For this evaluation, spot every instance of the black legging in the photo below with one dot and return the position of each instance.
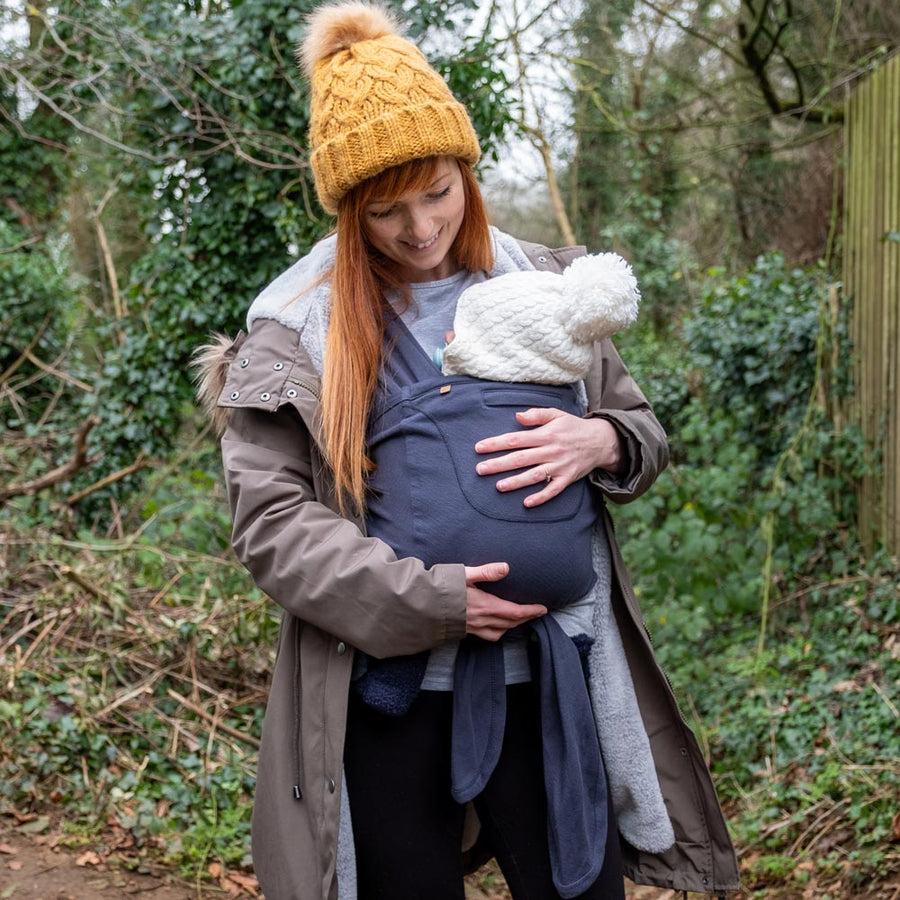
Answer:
(408, 829)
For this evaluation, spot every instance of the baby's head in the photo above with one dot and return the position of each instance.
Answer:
(541, 326)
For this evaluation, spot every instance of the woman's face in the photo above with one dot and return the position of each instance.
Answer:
(417, 229)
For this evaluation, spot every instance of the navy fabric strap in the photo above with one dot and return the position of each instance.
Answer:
(479, 716)
(574, 779)
(573, 768)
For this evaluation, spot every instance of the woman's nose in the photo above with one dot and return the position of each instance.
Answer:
(419, 225)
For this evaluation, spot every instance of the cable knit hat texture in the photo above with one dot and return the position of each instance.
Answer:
(375, 101)
(541, 326)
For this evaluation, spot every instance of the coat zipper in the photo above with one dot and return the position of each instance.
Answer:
(298, 711)
(310, 386)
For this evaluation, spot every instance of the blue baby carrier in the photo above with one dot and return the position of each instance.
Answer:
(428, 502)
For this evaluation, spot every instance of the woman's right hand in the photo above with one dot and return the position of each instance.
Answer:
(488, 616)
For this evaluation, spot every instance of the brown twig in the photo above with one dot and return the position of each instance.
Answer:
(109, 479)
(94, 590)
(61, 473)
(200, 711)
(6, 374)
(62, 376)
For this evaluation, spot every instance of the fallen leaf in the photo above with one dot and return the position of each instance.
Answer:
(15, 864)
(242, 883)
(5, 848)
(88, 858)
(214, 869)
(36, 826)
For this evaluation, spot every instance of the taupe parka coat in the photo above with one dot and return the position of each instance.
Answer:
(340, 590)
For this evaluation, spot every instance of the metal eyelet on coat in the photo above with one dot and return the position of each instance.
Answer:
(244, 363)
(542, 259)
(291, 392)
(235, 395)
(265, 396)
(278, 366)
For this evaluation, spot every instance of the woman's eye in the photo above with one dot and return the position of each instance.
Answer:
(381, 213)
(440, 194)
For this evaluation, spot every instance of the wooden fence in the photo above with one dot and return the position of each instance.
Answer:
(872, 283)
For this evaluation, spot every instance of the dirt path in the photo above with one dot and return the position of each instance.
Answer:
(39, 867)
(35, 864)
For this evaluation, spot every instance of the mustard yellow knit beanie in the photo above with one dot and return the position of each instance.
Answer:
(376, 102)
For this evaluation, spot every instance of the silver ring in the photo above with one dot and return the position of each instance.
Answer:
(548, 476)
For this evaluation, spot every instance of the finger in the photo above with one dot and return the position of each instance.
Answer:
(511, 440)
(520, 459)
(499, 616)
(488, 572)
(526, 611)
(536, 475)
(539, 415)
(543, 496)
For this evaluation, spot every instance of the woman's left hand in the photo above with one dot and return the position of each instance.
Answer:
(555, 450)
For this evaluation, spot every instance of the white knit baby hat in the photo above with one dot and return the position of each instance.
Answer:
(540, 326)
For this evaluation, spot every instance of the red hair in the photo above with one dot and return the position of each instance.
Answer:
(361, 275)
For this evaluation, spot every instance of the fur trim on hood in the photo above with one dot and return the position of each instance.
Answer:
(211, 362)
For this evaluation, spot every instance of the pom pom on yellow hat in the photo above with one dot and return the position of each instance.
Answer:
(375, 101)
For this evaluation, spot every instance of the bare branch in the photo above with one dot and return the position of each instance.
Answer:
(62, 473)
(693, 32)
(138, 464)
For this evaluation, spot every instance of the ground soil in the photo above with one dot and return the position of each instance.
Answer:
(41, 867)
(38, 864)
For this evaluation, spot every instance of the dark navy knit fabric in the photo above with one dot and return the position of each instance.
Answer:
(428, 502)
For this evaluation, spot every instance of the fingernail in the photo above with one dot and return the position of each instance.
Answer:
(479, 468)
(478, 447)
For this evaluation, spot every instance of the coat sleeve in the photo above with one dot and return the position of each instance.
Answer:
(317, 565)
(614, 395)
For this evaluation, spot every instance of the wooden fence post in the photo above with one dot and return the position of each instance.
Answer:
(872, 284)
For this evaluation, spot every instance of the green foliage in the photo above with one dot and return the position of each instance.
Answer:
(801, 734)
(36, 323)
(759, 484)
(754, 337)
(146, 714)
(757, 503)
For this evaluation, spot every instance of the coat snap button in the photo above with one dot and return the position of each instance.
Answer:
(265, 396)
(291, 393)
(245, 363)
(341, 648)
(278, 366)
(235, 395)
(331, 786)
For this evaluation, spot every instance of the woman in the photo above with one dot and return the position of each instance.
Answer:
(392, 152)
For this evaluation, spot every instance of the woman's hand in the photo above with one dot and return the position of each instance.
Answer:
(487, 616)
(556, 450)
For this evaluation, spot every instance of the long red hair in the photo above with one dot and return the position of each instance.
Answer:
(361, 275)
